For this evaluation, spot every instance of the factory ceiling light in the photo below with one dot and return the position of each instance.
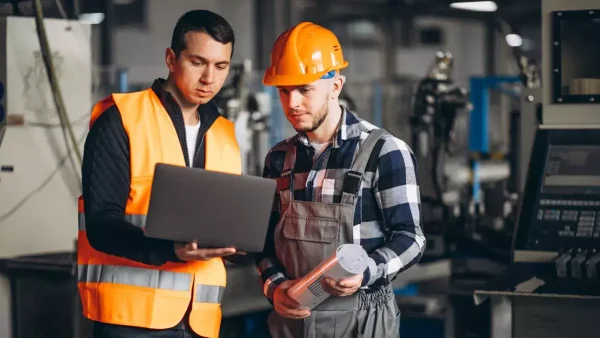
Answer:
(91, 18)
(514, 40)
(92, 11)
(477, 6)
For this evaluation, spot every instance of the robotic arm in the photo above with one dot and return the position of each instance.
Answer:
(437, 103)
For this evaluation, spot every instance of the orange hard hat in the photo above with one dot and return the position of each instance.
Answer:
(303, 54)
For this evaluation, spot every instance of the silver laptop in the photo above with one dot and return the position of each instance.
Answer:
(214, 209)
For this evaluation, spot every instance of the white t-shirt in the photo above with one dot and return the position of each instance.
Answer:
(319, 148)
(191, 137)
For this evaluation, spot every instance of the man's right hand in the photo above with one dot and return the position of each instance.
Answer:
(286, 306)
(190, 252)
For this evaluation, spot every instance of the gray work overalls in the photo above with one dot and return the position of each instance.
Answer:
(308, 233)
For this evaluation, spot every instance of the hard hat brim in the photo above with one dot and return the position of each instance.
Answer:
(290, 80)
(295, 80)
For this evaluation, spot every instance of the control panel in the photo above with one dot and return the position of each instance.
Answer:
(560, 211)
(569, 199)
(561, 203)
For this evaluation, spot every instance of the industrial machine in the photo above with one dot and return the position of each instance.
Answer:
(470, 188)
(557, 239)
(458, 172)
(551, 288)
(454, 260)
(469, 210)
(437, 103)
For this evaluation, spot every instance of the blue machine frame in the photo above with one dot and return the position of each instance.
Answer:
(479, 119)
(479, 142)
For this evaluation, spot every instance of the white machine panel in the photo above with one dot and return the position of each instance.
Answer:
(575, 72)
(44, 181)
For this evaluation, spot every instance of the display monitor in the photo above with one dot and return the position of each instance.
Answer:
(575, 49)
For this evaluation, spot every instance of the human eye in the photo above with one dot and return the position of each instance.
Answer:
(304, 90)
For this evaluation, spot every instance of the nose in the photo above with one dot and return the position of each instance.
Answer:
(208, 75)
(294, 99)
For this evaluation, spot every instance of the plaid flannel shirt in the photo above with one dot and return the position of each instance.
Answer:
(387, 216)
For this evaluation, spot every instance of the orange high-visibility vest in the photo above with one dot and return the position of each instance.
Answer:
(120, 291)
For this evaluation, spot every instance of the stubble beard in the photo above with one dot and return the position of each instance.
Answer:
(319, 119)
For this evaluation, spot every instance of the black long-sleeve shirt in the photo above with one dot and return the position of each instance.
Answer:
(106, 182)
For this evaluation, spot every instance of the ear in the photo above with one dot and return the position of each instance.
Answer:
(170, 59)
(338, 84)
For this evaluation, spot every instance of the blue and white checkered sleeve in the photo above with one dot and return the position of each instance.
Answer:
(398, 199)
(270, 270)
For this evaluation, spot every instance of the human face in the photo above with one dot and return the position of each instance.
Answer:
(306, 107)
(201, 68)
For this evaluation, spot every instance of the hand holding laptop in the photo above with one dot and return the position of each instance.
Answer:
(212, 214)
(190, 252)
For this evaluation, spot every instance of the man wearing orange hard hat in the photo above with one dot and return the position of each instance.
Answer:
(340, 180)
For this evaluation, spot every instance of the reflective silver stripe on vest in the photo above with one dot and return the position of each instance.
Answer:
(137, 220)
(209, 293)
(126, 275)
(81, 220)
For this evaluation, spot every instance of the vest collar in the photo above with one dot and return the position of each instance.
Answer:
(208, 115)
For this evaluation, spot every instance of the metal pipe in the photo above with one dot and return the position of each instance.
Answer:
(276, 117)
(260, 31)
(123, 81)
(378, 104)
(490, 47)
(76, 8)
(71, 8)
(106, 34)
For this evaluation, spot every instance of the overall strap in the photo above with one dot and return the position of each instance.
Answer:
(353, 179)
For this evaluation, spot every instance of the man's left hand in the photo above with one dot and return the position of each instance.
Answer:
(343, 287)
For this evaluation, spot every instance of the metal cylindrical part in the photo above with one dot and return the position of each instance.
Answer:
(489, 171)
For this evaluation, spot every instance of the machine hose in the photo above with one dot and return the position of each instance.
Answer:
(53, 80)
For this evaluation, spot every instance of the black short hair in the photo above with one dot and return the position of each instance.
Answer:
(201, 20)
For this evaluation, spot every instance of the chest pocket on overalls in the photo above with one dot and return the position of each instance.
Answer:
(309, 240)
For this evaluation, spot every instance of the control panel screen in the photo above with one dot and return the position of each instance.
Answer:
(563, 201)
(572, 170)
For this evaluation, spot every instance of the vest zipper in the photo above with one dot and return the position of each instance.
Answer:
(183, 140)
(204, 126)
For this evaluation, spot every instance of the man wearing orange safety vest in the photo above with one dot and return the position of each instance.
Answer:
(130, 285)
(340, 180)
